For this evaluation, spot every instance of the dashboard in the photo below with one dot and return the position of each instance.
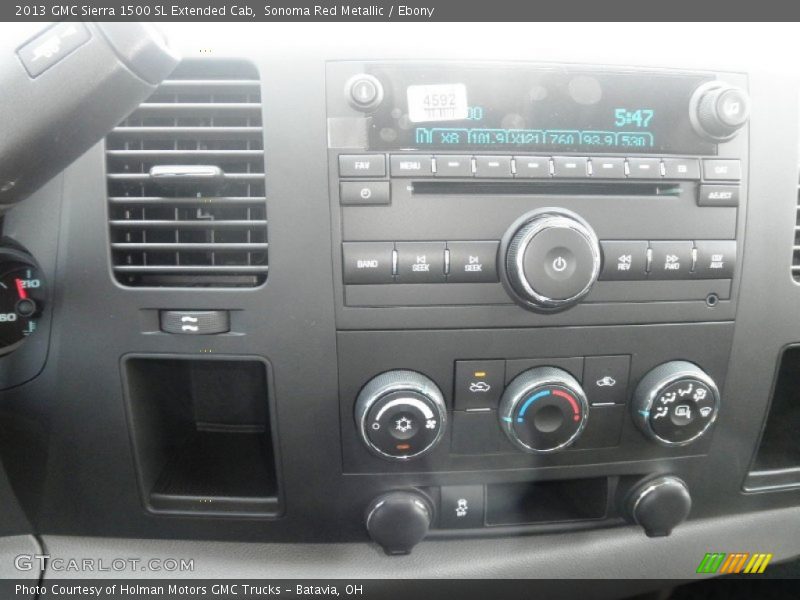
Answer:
(450, 302)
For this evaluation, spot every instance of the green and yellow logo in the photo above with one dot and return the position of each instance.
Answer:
(735, 562)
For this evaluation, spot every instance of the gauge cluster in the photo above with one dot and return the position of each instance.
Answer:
(22, 297)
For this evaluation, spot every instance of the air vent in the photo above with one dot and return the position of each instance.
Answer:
(796, 247)
(186, 189)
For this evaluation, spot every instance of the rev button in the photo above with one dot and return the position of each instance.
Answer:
(624, 260)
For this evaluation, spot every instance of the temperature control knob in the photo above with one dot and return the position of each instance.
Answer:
(552, 259)
(400, 415)
(675, 403)
(719, 110)
(543, 410)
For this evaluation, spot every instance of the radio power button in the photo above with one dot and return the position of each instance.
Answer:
(551, 259)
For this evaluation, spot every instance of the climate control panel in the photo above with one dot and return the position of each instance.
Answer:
(535, 407)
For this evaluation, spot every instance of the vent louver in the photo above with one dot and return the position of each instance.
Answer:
(796, 247)
(186, 188)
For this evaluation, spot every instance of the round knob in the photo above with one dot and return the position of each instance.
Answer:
(675, 403)
(400, 415)
(719, 110)
(658, 505)
(552, 259)
(543, 410)
(364, 92)
(398, 521)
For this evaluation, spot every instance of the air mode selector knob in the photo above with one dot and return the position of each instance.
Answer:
(551, 259)
(719, 110)
(676, 403)
(543, 410)
(400, 415)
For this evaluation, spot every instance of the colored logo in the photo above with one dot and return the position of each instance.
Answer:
(735, 562)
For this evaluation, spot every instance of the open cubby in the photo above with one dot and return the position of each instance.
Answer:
(546, 501)
(202, 435)
(777, 463)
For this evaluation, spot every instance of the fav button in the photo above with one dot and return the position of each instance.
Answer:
(605, 379)
(624, 260)
(472, 262)
(671, 260)
(479, 383)
(362, 165)
(420, 262)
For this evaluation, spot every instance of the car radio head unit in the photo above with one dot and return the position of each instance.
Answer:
(483, 108)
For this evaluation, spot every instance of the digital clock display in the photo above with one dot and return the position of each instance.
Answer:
(528, 109)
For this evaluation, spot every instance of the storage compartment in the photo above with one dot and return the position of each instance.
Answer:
(777, 463)
(202, 435)
(546, 501)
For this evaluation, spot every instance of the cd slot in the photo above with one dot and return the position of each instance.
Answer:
(549, 188)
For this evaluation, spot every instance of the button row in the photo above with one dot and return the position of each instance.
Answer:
(420, 262)
(479, 384)
(637, 260)
(532, 167)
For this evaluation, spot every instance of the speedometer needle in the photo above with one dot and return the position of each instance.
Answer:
(23, 294)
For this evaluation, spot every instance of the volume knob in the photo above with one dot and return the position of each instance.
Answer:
(552, 259)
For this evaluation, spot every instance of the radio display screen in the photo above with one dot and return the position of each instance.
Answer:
(538, 109)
